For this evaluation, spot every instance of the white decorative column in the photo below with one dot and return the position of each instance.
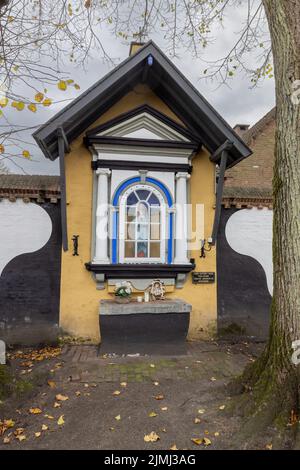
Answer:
(181, 223)
(101, 238)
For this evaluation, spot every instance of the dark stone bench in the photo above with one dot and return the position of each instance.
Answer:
(158, 327)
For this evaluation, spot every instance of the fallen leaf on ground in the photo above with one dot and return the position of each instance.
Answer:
(269, 446)
(118, 417)
(51, 384)
(201, 411)
(164, 408)
(6, 424)
(199, 441)
(156, 383)
(206, 431)
(49, 416)
(61, 397)
(152, 365)
(44, 427)
(117, 392)
(57, 405)
(213, 379)
(152, 437)
(152, 414)
(77, 393)
(21, 437)
(197, 420)
(196, 441)
(86, 385)
(206, 441)
(216, 434)
(123, 384)
(61, 420)
(173, 447)
(35, 411)
(6, 440)
(222, 407)
(38, 434)
(159, 397)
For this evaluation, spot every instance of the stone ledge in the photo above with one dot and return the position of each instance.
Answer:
(111, 307)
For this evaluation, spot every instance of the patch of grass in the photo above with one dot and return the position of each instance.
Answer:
(6, 381)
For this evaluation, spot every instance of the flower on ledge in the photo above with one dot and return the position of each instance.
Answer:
(123, 289)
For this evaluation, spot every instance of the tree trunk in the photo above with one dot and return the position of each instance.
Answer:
(273, 381)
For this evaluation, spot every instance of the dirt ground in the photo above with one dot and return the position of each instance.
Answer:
(75, 398)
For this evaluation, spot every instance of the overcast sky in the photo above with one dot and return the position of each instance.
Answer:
(237, 102)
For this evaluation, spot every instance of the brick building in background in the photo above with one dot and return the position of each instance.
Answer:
(245, 271)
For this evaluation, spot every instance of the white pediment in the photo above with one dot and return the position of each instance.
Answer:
(144, 126)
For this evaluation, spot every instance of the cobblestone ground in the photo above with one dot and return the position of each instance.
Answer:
(113, 402)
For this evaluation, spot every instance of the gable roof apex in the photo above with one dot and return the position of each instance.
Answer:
(163, 77)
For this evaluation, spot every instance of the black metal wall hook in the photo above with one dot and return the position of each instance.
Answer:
(75, 245)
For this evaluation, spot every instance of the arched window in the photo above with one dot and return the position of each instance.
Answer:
(142, 228)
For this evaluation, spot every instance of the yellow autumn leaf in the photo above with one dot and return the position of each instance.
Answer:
(10, 19)
(61, 420)
(62, 85)
(78, 393)
(47, 102)
(26, 154)
(49, 416)
(6, 440)
(222, 407)
(117, 418)
(57, 405)
(35, 411)
(173, 447)
(9, 423)
(152, 414)
(76, 86)
(152, 437)
(39, 97)
(44, 427)
(216, 434)
(3, 101)
(197, 420)
(70, 81)
(152, 365)
(201, 411)
(21, 437)
(269, 446)
(19, 105)
(164, 408)
(197, 440)
(123, 384)
(51, 384)
(60, 397)
(156, 383)
(206, 441)
(32, 107)
(117, 392)
(38, 434)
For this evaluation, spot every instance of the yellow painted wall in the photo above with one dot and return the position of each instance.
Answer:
(79, 300)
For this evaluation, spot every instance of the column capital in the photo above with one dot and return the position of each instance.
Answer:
(103, 171)
(183, 174)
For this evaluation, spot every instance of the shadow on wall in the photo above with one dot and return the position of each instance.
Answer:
(30, 252)
(244, 261)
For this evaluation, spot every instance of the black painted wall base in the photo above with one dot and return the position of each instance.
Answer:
(155, 334)
(243, 298)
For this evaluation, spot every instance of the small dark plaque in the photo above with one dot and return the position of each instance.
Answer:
(203, 278)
